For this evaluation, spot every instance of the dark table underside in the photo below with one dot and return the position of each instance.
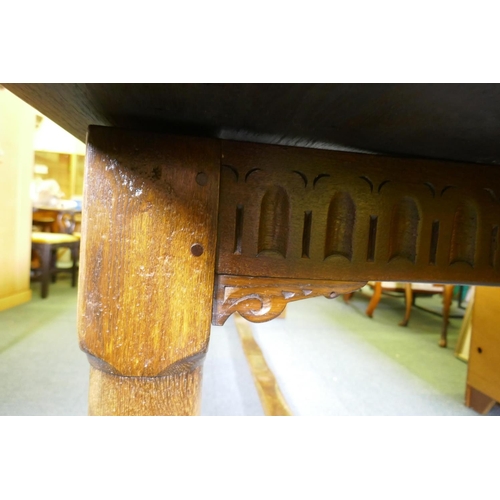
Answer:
(459, 122)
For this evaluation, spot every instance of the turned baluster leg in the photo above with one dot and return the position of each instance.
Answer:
(147, 270)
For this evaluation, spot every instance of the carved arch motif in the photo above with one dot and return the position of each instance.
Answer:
(340, 226)
(274, 222)
(403, 235)
(464, 233)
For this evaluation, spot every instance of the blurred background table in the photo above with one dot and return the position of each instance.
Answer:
(65, 217)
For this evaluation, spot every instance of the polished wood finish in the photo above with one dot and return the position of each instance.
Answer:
(483, 373)
(148, 259)
(308, 214)
(286, 213)
(150, 237)
(262, 299)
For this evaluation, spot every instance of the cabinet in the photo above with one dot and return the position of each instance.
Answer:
(483, 375)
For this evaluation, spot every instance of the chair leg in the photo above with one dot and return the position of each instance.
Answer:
(53, 265)
(347, 297)
(74, 267)
(377, 294)
(409, 301)
(447, 298)
(46, 269)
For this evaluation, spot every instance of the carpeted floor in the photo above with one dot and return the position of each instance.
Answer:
(327, 356)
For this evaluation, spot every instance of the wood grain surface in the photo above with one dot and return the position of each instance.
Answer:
(174, 395)
(292, 223)
(262, 299)
(148, 255)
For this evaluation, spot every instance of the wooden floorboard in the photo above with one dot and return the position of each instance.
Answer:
(271, 397)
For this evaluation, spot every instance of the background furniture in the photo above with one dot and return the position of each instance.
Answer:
(462, 347)
(411, 291)
(44, 221)
(46, 246)
(483, 373)
(414, 290)
(380, 287)
(56, 220)
(57, 234)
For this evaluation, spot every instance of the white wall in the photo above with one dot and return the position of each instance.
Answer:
(17, 128)
(51, 137)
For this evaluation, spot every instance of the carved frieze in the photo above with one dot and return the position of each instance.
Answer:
(303, 213)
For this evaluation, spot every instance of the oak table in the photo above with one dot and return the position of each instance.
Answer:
(198, 204)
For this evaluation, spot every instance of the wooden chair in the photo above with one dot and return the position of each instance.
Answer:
(411, 291)
(380, 287)
(45, 245)
(57, 220)
(43, 222)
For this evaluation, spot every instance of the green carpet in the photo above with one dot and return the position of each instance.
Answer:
(43, 372)
(328, 358)
(331, 359)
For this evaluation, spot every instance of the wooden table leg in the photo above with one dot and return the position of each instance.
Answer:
(147, 270)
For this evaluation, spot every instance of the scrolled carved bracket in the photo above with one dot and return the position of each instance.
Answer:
(262, 299)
